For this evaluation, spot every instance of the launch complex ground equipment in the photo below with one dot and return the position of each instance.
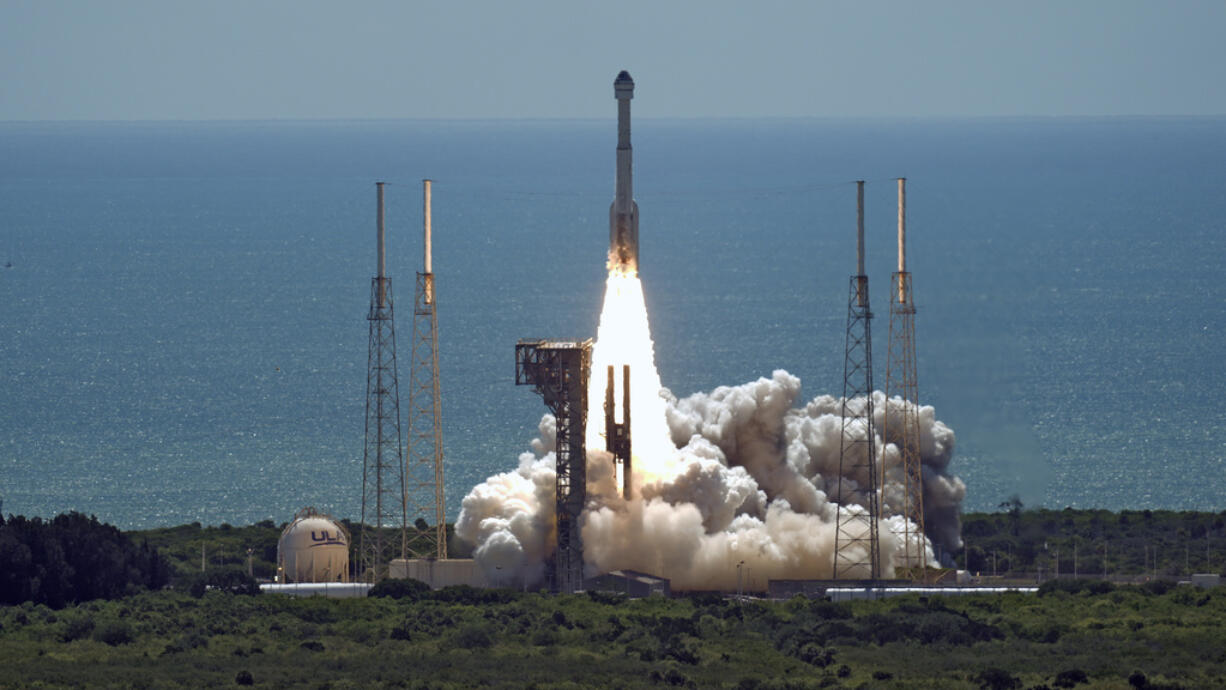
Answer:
(559, 371)
(857, 552)
(383, 516)
(427, 525)
(617, 436)
(902, 429)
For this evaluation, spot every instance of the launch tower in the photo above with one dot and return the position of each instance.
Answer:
(383, 514)
(559, 371)
(427, 533)
(902, 428)
(857, 553)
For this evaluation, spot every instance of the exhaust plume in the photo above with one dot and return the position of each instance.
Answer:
(738, 477)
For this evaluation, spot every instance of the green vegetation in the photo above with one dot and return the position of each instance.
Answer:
(212, 630)
(1129, 545)
(193, 548)
(72, 558)
(1093, 636)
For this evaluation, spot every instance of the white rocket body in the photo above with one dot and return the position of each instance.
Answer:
(624, 213)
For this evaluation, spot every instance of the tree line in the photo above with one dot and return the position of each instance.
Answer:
(73, 558)
(1124, 545)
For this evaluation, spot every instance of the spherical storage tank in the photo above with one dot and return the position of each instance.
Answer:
(313, 548)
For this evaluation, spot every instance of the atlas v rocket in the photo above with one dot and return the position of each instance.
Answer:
(624, 213)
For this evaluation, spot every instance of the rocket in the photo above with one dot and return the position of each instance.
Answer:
(624, 213)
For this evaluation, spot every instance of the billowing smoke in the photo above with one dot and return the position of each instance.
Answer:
(753, 481)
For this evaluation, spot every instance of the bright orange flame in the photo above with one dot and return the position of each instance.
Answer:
(624, 337)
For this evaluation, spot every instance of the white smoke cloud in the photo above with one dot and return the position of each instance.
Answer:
(753, 482)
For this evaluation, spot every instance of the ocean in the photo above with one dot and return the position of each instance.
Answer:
(183, 331)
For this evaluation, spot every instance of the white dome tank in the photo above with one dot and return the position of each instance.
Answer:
(313, 548)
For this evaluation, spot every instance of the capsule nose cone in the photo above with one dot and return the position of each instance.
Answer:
(623, 86)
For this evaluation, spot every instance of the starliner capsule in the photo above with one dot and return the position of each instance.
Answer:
(624, 213)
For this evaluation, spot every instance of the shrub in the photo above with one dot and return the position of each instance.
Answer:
(76, 628)
(815, 655)
(114, 633)
(315, 610)
(672, 677)
(828, 610)
(996, 679)
(1158, 587)
(474, 637)
(683, 651)
(1070, 678)
(544, 638)
(413, 590)
(244, 678)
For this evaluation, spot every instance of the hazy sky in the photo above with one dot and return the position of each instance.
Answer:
(210, 59)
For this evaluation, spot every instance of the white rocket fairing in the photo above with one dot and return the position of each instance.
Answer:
(624, 213)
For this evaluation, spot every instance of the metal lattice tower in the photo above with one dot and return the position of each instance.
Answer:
(383, 517)
(857, 552)
(901, 426)
(427, 528)
(559, 371)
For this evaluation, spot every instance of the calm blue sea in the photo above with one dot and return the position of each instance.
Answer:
(183, 333)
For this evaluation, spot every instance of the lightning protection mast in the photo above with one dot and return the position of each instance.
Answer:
(856, 547)
(383, 516)
(424, 468)
(901, 419)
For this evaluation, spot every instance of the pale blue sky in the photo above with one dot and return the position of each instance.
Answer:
(228, 59)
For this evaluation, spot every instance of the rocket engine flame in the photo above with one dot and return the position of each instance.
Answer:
(624, 337)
